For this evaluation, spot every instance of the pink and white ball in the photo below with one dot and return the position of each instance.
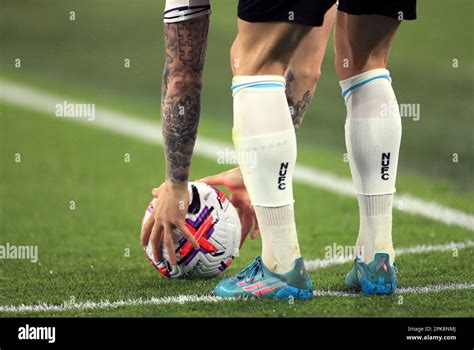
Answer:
(215, 224)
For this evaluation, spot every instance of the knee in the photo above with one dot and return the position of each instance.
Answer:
(361, 57)
(355, 64)
(259, 56)
(306, 76)
(368, 62)
(252, 60)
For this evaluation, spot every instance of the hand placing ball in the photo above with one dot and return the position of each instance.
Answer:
(214, 223)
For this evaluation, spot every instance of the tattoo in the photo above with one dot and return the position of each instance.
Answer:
(186, 44)
(297, 107)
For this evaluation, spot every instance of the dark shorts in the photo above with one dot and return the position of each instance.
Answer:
(311, 12)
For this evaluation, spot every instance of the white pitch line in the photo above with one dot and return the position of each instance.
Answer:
(106, 304)
(423, 248)
(431, 288)
(132, 126)
(184, 299)
(311, 265)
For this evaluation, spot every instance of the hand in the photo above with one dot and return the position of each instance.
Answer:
(234, 182)
(168, 214)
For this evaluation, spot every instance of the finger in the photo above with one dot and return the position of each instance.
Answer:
(168, 241)
(188, 235)
(213, 180)
(241, 219)
(255, 233)
(146, 230)
(156, 191)
(236, 202)
(246, 225)
(256, 229)
(156, 240)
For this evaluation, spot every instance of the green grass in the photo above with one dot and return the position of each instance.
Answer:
(81, 252)
(88, 54)
(84, 59)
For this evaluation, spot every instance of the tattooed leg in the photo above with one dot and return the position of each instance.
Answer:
(186, 44)
(304, 71)
(299, 94)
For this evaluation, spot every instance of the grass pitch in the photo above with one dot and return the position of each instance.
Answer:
(92, 253)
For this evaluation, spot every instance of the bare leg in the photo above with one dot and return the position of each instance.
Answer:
(301, 77)
(265, 48)
(373, 136)
(304, 71)
(304, 68)
(263, 126)
(362, 42)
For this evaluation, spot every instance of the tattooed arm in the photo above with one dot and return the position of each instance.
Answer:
(181, 93)
(186, 43)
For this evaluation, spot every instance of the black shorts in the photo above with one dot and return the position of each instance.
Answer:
(311, 12)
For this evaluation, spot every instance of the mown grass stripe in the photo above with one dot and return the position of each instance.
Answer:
(129, 125)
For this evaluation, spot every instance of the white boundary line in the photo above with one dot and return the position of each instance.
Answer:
(184, 299)
(431, 288)
(322, 263)
(150, 131)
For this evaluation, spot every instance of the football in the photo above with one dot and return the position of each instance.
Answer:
(215, 224)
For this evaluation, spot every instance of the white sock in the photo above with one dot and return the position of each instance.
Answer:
(373, 134)
(280, 245)
(375, 229)
(263, 127)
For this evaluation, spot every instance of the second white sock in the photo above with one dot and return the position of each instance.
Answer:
(375, 228)
(373, 134)
(263, 130)
(280, 246)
